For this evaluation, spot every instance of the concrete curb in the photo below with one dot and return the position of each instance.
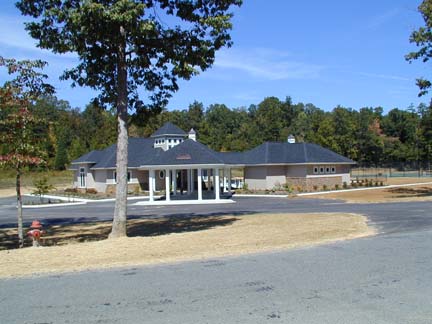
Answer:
(184, 202)
(53, 205)
(73, 201)
(264, 196)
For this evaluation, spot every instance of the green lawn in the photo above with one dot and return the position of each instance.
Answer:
(56, 178)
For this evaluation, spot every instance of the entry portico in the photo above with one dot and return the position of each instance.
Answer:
(183, 166)
(186, 181)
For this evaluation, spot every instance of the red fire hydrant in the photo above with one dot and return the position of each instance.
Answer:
(36, 232)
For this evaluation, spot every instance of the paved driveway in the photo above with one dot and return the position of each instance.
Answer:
(388, 218)
(385, 279)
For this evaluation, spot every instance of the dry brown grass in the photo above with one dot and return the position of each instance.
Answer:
(400, 194)
(407, 180)
(172, 240)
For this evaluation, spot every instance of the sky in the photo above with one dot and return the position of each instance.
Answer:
(329, 53)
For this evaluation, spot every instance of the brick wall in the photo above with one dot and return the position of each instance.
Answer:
(308, 184)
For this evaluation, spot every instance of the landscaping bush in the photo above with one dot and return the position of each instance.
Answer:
(337, 187)
(91, 191)
(315, 188)
(325, 188)
(345, 185)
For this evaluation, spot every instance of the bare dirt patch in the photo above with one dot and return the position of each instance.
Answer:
(172, 240)
(407, 180)
(400, 194)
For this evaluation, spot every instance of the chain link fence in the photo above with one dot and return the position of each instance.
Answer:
(394, 169)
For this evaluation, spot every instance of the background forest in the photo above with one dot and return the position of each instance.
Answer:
(368, 135)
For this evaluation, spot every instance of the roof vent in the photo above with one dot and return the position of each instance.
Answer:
(192, 135)
(291, 139)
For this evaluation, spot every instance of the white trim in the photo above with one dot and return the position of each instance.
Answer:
(180, 166)
(324, 175)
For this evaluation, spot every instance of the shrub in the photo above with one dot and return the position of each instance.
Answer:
(315, 188)
(42, 187)
(288, 188)
(91, 191)
(345, 185)
(337, 187)
(381, 183)
(325, 188)
(71, 190)
(354, 185)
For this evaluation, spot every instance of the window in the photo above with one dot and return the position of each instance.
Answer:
(333, 169)
(82, 177)
(169, 140)
(321, 170)
(315, 170)
(161, 174)
(163, 141)
(128, 176)
(175, 140)
(327, 170)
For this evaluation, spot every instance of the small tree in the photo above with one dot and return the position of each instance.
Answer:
(19, 145)
(42, 187)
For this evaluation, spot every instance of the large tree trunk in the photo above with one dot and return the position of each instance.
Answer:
(120, 212)
(19, 205)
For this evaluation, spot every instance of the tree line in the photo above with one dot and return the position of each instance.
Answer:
(367, 135)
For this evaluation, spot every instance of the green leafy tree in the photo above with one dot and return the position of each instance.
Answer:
(61, 158)
(17, 126)
(422, 37)
(126, 45)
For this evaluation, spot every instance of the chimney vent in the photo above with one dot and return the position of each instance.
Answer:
(192, 135)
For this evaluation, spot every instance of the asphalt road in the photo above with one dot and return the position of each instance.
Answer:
(382, 279)
(388, 218)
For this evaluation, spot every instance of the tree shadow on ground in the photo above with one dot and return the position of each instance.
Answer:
(411, 192)
(64, 231)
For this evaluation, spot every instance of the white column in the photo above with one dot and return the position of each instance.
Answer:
(224, 180)
(217, 184)
(188, 180)
(151, 182)
(167, 185)
(214, 180)
(229, 180)
(199, 179)
(191, 180)
(174, 182)
(208, 180)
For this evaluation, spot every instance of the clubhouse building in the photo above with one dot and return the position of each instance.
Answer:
(173, 161)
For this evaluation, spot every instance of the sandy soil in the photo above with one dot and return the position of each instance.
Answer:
(400, 194)
(167, 240)
(11, 192)
(406, 180)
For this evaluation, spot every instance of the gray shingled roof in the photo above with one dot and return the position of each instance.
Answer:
(139, 151)
(291, 153)
(169, 129)
(142, 153)
(185, 153)
(90, 157)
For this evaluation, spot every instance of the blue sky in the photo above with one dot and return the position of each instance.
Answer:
(328, 53)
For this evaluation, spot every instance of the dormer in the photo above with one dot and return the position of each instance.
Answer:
(168, 136)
